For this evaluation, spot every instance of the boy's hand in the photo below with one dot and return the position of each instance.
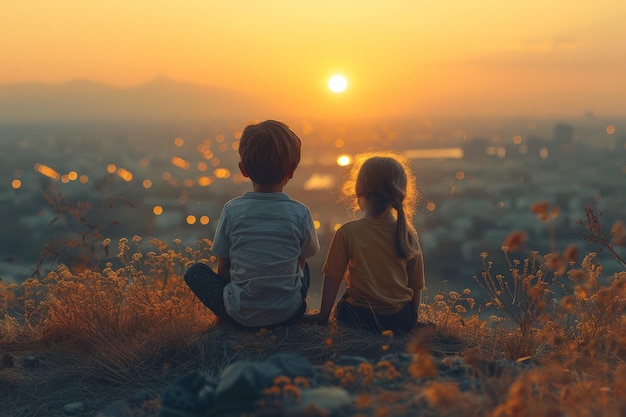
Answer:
(316, 318)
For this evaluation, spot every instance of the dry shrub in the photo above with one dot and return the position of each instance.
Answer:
(143, 300)
(556, 391)
(592, 320)
(449, 313)
(523, 297)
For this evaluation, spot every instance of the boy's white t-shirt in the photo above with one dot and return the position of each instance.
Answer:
(264, 235)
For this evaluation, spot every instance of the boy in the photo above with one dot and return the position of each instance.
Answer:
(262, 239)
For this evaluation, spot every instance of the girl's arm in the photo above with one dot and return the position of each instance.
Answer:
(330, 287)
(223, 268)
(415, 268)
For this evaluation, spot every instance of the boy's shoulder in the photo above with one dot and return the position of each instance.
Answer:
(253, 199)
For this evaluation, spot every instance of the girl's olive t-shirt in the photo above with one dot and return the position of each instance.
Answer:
(363, 251)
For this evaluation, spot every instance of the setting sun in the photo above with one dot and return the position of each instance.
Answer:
(337, 83)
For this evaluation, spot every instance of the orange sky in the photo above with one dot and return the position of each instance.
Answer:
(401, 57)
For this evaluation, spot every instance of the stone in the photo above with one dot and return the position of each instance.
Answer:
(191, 396)
(241, 383)
(291, 364)
(329, 401)
(74, 409)
(399, 360)
(347, 360)
(30, 361)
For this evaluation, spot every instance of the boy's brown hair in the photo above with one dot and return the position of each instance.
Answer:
(269, 152)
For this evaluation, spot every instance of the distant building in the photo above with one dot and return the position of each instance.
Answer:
(563, 137)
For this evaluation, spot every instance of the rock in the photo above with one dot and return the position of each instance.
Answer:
(242, 382)
(140, 397)
(30, 361)
(191, 396)
(399, 360)
(291, 364)
(117, 409)
(329, 401)
(453, 366)
(348, 360)
(135, 405)
(73, 409)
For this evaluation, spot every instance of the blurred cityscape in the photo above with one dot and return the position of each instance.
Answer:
(481, 183)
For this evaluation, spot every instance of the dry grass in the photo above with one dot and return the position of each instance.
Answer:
(105, 334)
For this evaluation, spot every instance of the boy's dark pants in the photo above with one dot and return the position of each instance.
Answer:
(364, 318)
(208, 286)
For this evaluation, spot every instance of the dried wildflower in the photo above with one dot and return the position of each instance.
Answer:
(282, 380)
(106, 242)
(301, 381)
(467, 291)
(136, 239)
(367, 371)
(514, 241)
(177, 241)
(442, 394)
(382, 411)
(363, 401)
(422, 364)
(272, 391)
(388, 333)
(483, 255)
(540, 207)
(293, 392)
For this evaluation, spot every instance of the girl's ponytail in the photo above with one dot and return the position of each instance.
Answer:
(406, 236)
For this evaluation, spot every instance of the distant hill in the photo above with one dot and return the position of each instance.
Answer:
(161, 99)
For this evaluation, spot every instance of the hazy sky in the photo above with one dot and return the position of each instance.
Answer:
(452, 57)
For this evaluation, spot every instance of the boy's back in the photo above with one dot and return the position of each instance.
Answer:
(264, 235)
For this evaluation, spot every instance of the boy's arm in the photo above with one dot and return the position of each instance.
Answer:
(223, 268)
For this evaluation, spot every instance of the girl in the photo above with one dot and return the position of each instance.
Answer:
(378, 255)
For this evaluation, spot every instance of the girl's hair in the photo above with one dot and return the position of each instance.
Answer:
(384, 178)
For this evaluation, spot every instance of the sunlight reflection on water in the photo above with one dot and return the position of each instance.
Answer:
(434, 153)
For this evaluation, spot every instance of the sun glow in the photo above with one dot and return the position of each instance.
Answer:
(337, 83)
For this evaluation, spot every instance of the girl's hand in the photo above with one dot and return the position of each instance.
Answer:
(316, 318)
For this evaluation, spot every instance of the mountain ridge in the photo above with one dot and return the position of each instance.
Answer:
(158, 99)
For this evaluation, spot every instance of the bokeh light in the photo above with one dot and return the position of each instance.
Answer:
(47, 171)
(221, 173)
(125, 174)
(179, 162)
(344, 160)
